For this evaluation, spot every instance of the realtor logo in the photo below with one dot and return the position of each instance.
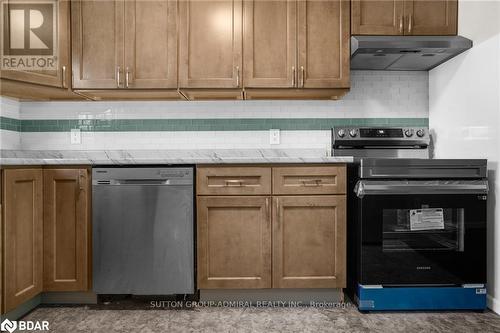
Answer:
(28, 35)
(8, 326)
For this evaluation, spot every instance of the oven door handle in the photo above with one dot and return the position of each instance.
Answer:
(369, 187)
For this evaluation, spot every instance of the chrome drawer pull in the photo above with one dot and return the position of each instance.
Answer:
(312, 183)
(234, 182)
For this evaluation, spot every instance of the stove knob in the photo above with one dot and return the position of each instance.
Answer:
(420, 133)
(341, 133)
(409, 133)
(353, 133)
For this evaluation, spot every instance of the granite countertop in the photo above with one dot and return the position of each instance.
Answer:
(130, 157)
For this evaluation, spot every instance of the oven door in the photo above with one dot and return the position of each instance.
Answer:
(422, 232)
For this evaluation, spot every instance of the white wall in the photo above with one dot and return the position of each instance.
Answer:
(464, 112)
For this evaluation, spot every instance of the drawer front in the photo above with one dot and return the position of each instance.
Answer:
(233, 180)
(309, 180)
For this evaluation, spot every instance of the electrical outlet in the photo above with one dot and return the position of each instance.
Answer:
(76, 136)
(274, 136)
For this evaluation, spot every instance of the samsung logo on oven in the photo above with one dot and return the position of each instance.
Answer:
(423, 268)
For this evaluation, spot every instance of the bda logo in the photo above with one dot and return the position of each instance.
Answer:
(29, 34)
(8, 325)
(11, 326)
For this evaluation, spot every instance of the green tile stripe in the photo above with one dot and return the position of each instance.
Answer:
(244, 124)
(10, 124)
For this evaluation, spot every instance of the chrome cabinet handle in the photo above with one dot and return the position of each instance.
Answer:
(401, 19)
(312, 182)
(267, 207)
(293, 76)
(64, 76)
(278, 213)
(410, 23)
(237, 76)
(302, 73)
(127, 71)
(81, 182)
(234, 182)
(118, 71)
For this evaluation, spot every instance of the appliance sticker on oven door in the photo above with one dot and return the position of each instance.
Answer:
(426, 219)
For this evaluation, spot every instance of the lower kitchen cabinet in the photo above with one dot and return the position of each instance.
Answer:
(46, 232)
(309, 235)
(23, 235)
(293, 237)
(66, 230)
(234, 242)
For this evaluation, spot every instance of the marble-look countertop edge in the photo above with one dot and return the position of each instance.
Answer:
(22, 161)
(123, 157)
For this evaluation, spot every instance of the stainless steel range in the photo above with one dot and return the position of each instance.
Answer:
(416, 226)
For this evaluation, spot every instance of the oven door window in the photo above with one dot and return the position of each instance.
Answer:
(423, 239)
(423, 229)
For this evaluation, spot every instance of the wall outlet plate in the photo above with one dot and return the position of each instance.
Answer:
(76, 136)
(274, 136)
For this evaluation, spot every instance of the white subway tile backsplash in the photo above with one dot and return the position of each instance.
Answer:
(10, 139)
(9, 107)
(175, 140)
(373, 94)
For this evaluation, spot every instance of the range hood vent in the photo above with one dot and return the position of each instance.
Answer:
(405, 53)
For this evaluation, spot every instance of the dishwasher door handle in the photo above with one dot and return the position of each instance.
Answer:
(141, 182)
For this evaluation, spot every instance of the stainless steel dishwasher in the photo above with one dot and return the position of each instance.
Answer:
(143, 242)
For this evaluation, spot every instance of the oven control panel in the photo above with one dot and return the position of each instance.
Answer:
(391, 134)
(382, 142)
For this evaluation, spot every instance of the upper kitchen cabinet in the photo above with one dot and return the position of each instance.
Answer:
(323, 44)
(97, 44)
(124, 44)
(405, 17)
(210, 41)
(431, 17)
(60, 46)
(150, 44)
(384, 17)
(270, 43)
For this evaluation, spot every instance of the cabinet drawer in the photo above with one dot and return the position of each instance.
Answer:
(233, 180)
(309, 180)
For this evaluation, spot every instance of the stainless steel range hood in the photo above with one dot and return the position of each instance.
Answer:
(405, 53)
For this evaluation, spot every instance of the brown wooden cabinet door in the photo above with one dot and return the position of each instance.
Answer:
(323, 44)
(234, 242)
(377, 17)
(97, 43)
(270, 43)
(22, 238)
(66, 229)
(210, 54)
(150, 44)
(431, 17)
(309, 242)
(57, 78)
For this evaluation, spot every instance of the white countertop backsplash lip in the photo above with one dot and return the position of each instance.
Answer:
(139, 157)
